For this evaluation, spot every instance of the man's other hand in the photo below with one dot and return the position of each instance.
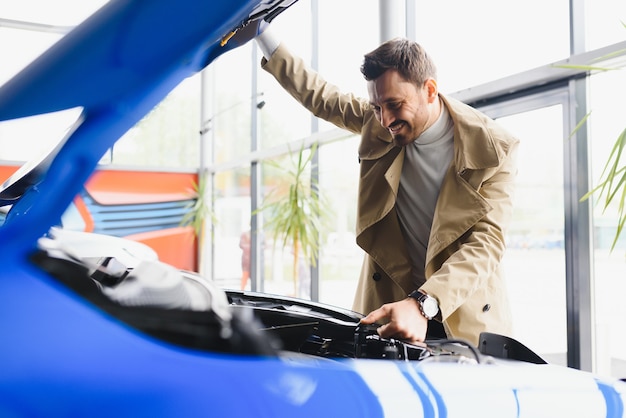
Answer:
(403, 321)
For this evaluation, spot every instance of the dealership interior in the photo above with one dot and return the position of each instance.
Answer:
(552, 73)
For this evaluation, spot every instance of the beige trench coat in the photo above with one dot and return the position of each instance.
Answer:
(473, 209)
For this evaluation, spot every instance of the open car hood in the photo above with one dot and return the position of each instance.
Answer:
(125, 59)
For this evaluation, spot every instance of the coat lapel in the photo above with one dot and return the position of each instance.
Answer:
(377, 220)
(460, 205)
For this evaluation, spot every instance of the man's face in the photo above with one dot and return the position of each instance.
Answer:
(403, 108)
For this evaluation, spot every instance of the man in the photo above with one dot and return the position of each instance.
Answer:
(435, 193)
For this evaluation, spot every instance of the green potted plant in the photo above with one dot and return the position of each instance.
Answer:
(297, 212)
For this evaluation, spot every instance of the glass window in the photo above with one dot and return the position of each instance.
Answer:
(168, 136)
(340, 257)
(606, 122)
(58, 12)
(232, 100)
(284, 273)
(605, 22)
(232, 211)
(341, 48)
(474, 42)
(19, 47)
(28, 138)
(284, 119)
(33, 137)
(535, 256)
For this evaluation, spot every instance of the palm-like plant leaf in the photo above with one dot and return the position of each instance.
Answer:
(298, 216)
(199, 210)
(612, 184)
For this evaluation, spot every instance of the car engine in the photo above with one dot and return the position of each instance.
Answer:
(188, 310)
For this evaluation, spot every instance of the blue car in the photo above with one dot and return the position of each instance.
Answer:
(121, 334)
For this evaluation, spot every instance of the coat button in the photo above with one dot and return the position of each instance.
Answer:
(486, 307)
(376, 276)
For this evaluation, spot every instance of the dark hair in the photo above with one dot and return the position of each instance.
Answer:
(403, 55)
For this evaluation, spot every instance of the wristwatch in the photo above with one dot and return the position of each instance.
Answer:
(428, 304)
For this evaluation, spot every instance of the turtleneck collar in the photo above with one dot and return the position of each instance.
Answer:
(437, 130)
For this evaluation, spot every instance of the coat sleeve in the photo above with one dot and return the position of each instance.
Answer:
(321, 98)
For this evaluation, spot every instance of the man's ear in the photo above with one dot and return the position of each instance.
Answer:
(431, 88)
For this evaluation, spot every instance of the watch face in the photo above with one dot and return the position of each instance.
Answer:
(430, 306)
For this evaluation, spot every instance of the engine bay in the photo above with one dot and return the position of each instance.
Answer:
(186, 309)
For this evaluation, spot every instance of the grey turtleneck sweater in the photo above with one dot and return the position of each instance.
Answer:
(426, 161)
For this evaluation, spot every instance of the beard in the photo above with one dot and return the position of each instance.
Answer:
(401, 133)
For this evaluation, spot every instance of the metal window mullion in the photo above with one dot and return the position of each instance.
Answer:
(206, 250)
(579, 289)
(256, 256)
(410, 13)
(577, 27)
(314, 269)
(392, 18)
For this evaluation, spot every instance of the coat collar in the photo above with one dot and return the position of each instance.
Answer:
(476, 146)
(377, 142)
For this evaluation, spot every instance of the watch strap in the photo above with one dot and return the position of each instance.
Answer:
(420, 297)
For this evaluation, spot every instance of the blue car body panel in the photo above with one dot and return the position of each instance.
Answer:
(62, 356)
(67, 359)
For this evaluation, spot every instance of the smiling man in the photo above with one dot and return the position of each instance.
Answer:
(435, 193)
(405, 99)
